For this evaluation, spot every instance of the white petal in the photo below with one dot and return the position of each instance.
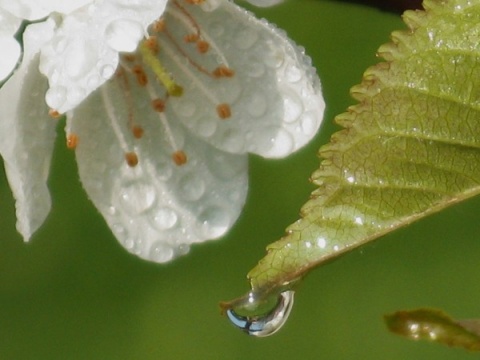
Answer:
(37, 9)
(275, 96)
(264, 3)
(10, 48)
(10, 54)
(27, 134)
(155, 209)
(84, 51)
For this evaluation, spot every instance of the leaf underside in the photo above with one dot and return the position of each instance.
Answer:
(410, 147)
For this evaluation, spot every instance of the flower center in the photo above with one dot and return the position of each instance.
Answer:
(145, 71)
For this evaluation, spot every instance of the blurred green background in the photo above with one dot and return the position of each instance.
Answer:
(74, 293)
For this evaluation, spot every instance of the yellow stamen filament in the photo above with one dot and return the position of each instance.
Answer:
(72, 141)
(161, 73)
(131, 158)
(179, 157)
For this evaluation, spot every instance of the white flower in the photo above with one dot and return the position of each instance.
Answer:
(162, 146)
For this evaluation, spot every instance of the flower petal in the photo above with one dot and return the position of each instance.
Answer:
(37, 9)
(156, 209)
(264, 3)
(10, 47)
(274, 94)
(27, 134)
(84, 51)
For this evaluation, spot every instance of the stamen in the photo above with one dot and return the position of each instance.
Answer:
(223, 71)
(129, 57)
(54, 114)
(202, 46)
(149, 58)
(179, 157)
(190, 38)
(192, 27)
(158, 105)
(142, 78)
(131, 158)
(163, 118)
(137, 132)
(224, 111)
(158, 26)
(152, 44)
(113, 121)
(72, 141)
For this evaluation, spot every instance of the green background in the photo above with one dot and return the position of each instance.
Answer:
(74, 293)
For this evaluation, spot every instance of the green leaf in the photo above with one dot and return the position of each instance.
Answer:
(434, 325)
(409, 148)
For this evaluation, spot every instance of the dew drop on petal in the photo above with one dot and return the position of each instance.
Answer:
(265, 324)
(165, 218)
(257, 106)
(191, 187)
(56, 96)
(137, 197)
(161, 252)
(215, 221)
(124, 35)
(292, 106)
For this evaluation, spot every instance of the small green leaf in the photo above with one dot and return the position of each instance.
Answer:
(409, 148)
(434, 325)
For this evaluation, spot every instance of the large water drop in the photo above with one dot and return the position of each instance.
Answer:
(267, 323)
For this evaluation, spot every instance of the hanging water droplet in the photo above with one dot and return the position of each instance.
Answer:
(268, 323)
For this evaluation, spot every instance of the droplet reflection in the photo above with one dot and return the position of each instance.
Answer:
(265, 324)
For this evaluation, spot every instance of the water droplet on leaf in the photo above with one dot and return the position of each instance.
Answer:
(267, 323)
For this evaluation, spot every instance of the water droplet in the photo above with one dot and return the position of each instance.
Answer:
(123, 35)
(137, 197)
(215, 221)
(184, 108)
(191, 187)
(293, 74)
(161, 252)
(268, 323)
(245, 38)
(282, 143)
(292, 106)
(78, 59)
(165, 218)
(257, 105)
(56, 96)
(308, 123)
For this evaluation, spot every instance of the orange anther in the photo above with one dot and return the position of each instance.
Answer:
(129, 57)
(158, 105)
(202, 46)
(152, 44)
(159, 25)
(137, 132)
(140, 74)
(131, 158)
(224, 111)
(223, 71)
(190, 38)
(54, 113)
(72, 141)
(179, 157)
